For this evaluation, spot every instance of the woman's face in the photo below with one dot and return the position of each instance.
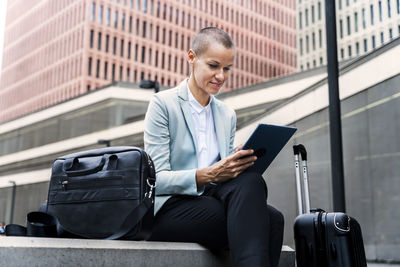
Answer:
(210, 69)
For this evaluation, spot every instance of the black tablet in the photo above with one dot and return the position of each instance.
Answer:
(267, 141)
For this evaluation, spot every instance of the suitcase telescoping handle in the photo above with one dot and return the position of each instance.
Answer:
(301, 150)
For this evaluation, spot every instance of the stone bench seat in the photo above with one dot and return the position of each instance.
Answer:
(30, 251)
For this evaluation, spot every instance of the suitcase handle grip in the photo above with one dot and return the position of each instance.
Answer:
(300, 149)
(69, 163)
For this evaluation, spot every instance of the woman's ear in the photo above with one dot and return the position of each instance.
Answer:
(191, 55)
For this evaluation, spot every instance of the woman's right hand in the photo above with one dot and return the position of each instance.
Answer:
(227, 168)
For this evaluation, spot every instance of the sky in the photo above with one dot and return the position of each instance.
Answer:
(3, 4)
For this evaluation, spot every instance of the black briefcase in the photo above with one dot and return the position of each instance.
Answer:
(105, 193)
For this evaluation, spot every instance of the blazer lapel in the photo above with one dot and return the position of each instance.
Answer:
(223, 137)
(184, 103)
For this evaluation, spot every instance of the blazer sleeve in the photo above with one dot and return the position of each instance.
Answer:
(157, 145)
(233, 131)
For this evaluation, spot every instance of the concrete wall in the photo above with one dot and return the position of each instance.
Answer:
(371, 147)
(28, 198)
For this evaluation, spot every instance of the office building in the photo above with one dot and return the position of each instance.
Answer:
(362, 26)
(57, 50)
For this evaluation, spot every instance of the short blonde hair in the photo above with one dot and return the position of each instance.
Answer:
(209, 35)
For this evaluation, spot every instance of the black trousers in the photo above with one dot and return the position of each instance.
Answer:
(232, 214)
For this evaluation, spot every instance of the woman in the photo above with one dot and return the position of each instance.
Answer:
(203, 193)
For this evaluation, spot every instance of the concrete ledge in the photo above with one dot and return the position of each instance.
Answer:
(27, 251)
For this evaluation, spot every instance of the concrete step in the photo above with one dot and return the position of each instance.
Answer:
(30, 251)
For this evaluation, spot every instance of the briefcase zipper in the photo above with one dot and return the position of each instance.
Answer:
(91, 183)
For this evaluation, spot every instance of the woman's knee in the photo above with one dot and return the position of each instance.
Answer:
(253, 182)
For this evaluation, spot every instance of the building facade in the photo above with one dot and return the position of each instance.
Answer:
(56, 50)
(362, 26)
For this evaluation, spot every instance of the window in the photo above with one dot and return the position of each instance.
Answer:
(128, 74)
(356, 22)
(98, 68)
(143, 54)
(115, 19)
(136, 52)
(340, 4)
(150, 53)
(307, 45)
(107, 40)
(145, 6)
(123, 21)
(138, 5)
(342, 53)
(151, 32)
(341, 28)
(115, 46)
(398, 7)
(363, 19)
(122, 48)
(380, 10)
(349, 50)
(357, 48)
(348, 25)
(105, 70)
(101, 15)
(320, 38)
(312, 14)
(301, 46)
(306, 17)
(91, 38)
(157, 33)
(92, 17)
(113, 72)
(319, 11)
(301, 18)
(382, 38)
(389, 9)
(372, 14)
(163, 36)
(108, 16)
(390, 33)
(99, 41)
(120, 73)
(313, 40)
(130, 23)
(90, 66)
(373, 41)
(365, 45)
(137, 26)
(129, 50)
(144, 29)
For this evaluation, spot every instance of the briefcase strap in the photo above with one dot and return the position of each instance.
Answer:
(40, 224)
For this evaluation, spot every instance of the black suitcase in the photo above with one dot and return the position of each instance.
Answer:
(324, 238)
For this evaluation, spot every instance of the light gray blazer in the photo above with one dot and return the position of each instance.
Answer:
(169, 138)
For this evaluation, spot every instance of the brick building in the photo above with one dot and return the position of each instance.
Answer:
(56, 50)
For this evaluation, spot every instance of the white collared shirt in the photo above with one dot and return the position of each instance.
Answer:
(206, 137)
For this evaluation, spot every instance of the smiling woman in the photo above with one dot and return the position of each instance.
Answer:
(204, 193)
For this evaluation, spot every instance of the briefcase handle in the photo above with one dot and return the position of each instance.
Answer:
(71, 162)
